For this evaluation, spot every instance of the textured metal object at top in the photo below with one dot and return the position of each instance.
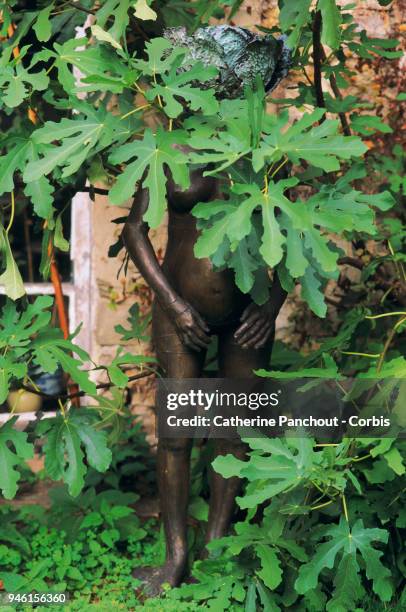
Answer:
(239, 55)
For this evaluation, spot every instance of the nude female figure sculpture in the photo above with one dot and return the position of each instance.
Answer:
(192, 302)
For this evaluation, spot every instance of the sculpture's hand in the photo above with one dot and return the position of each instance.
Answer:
(190, 326)
(257, 325)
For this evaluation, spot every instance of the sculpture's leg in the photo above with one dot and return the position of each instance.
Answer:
(176, 361)
(234, 362)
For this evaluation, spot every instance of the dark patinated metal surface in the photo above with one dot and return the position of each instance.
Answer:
(192, 302)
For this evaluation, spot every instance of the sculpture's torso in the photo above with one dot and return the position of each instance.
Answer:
(213, 293)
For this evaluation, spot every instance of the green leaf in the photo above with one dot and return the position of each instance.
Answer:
(244, 266)
(210, 239)
(40, 193)
(17, 327)
(11, 278)
(270, 476)
(267, 599)
(295, 232)
(369, 124)
(94, 441)
(9, 370)
(22, 151)
(79, 138)
(43, 26)
(11, 162)
(368, 47)
(348, 542)
(340, 208)
(274, 446)
(100, 67)
(119, 378)
(231, 140)
(395, 461)
(9, 438)
(138, 325)
(331, 21)
(348, 589)
(177, 85)
(160, 57)
(320, 145)
(150, 156)
(116, 11)
(296, 261)
(59, 241)
(251, 598)
(143, 11)
(228, 465)
(310, 292)
(278, 474)
(14, 81)
(271, 571)
(293, 18)
(103, 36)
(199, 509)
(51, 350)
(64, 456)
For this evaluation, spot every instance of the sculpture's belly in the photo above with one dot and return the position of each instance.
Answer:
(214, 294)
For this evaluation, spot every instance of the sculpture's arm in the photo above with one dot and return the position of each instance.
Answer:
(139, 247)
(189, 324)
(257, 322)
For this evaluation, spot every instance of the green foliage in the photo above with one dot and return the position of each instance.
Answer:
(245, 145)
(151, 155)
(176, 86)
(16, 82)
(98, 556)
(87, 545)
(71, 437)
(25, 337)
(24, 150)
(138, 325)
(319, 527)
(10, 277)
(309, 487)
(22, 450)
(332, 19)
(294, 16)
(79, 138)
(320, 146)
(66, 435)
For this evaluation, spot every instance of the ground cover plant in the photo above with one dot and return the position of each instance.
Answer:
(300, 179)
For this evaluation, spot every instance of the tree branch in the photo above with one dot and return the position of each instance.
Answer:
(319, 56)
(351, 261)
(82, 393)
(93, 190)
(79, 7)
(317, 60)
(337, 93)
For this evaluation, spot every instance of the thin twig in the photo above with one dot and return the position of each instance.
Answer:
(387, 344)
(83, 393)
(92, 189)
(81, 8)
(351, 261)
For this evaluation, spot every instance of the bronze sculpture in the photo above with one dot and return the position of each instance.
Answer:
(192, 301)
